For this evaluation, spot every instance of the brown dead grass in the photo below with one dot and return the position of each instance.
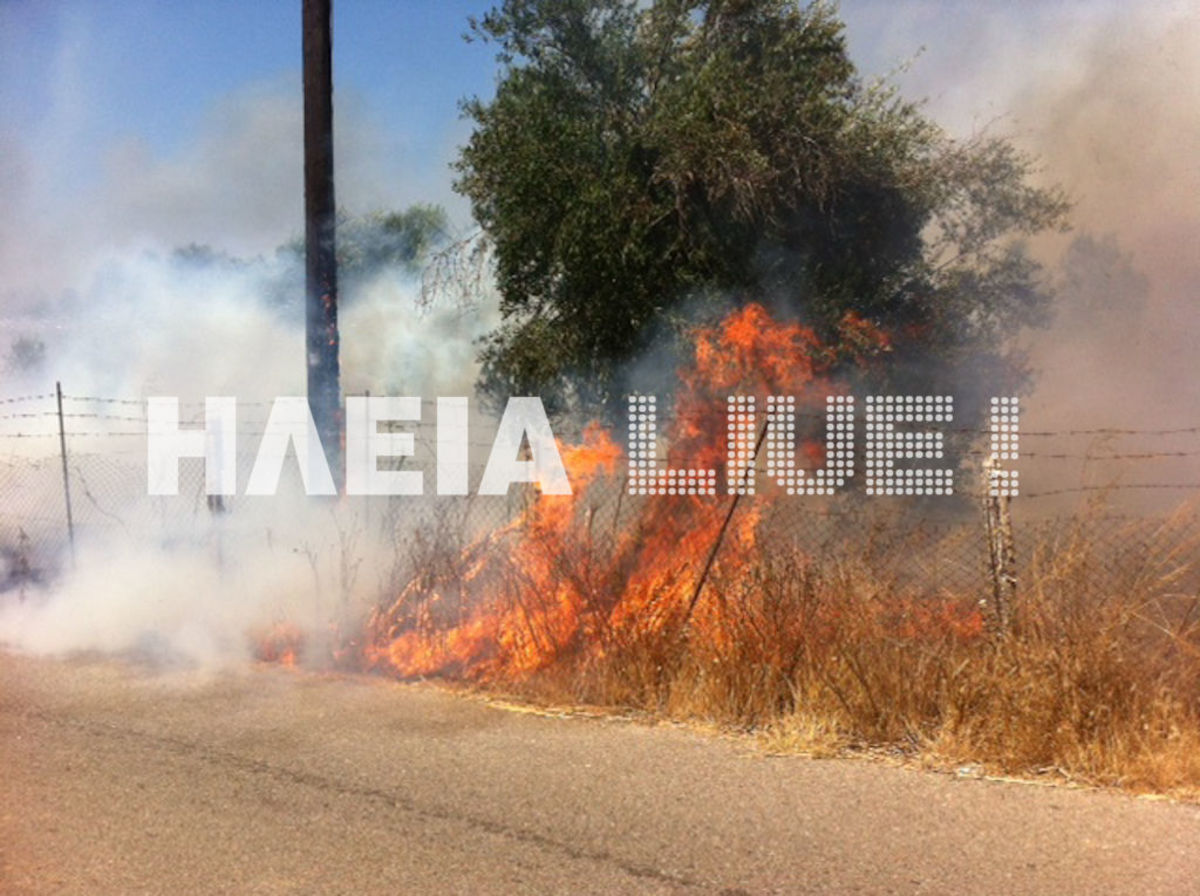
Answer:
(1098, 680)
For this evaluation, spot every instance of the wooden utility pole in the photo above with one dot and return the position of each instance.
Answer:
(320, 211)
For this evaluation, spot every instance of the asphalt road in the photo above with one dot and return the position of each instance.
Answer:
(119, 779)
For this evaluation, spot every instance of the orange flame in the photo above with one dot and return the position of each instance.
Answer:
(282, 643)
(557, 580)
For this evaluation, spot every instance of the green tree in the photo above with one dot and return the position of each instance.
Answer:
(367, 246)
(643, 167)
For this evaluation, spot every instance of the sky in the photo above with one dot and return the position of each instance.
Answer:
(94, 73)
(177, 120)
(166, 118)
(137, 126)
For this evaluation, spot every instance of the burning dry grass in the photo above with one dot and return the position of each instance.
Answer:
(281, 642)
(610, 603)
(1097, 681)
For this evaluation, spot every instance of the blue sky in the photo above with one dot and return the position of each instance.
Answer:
(95, 73)
(131, 127)
(156, 66)
(125, 122)
(152, 69)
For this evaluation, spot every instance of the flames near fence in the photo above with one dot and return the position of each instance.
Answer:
(84, 457)
(1069, 645)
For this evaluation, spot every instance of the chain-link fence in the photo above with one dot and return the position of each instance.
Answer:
(941, 548)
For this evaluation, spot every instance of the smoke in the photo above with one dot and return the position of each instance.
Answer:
(1106, 97)
(235, 186)
(1119, 135)
(94, 274)
(1118, 130)
(167, 575)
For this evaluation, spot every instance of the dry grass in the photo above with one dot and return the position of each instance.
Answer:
(1097, 681)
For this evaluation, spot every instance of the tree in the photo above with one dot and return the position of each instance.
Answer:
(367, 245)
(370, 243)
(26, 354)
(645, 166)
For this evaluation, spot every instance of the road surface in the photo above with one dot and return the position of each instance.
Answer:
(123, 779)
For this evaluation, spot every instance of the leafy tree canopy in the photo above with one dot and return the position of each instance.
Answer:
(644, 166)
(370, 243)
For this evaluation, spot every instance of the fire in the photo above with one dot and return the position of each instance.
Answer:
(282, 643)
(572, 573)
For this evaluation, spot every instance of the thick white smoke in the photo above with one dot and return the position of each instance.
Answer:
(1105, 95)
(167, 574)
(91, 275)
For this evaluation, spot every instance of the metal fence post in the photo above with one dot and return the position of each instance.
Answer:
(62, 447)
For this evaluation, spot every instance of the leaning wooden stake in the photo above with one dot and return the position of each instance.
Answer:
(747, 472)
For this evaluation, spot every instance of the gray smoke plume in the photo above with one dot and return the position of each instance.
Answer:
(96, 279)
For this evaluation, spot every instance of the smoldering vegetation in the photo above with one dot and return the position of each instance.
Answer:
(186, 576)
(823, 653)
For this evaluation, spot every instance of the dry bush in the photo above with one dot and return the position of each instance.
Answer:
(1098, 680)
(1100, 677)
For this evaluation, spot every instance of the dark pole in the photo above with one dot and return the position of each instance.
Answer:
(62, 447)
(324, 389)
(716, 546)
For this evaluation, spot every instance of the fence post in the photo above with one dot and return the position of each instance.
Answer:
(62, 447)
(1002, 560)
(747, 473)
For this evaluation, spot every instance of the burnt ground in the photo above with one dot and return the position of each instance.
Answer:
(123, 779)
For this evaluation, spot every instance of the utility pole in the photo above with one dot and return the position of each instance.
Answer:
(320, 210)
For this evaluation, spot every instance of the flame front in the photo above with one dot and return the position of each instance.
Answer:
(281, 642)
(565, 578)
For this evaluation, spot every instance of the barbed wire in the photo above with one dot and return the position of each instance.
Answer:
(100, 400)
(1039, 455)
(17, 399)
(72, 434)
(255, 428)
(1024, 455)
(1115, 487)
(431, 401)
